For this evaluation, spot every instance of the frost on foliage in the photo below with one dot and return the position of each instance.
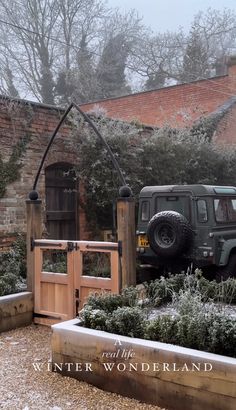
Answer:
(97, 111)
(163, 156)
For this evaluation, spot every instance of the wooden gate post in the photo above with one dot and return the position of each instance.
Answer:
(34, 231)
(126, 234)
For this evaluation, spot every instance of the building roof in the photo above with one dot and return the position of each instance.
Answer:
(30, 102)
(195, 190)
(177, 106)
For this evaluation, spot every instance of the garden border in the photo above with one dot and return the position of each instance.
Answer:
(175, 390)
(16, 310)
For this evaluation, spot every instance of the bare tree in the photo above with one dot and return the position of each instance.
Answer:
(29, 49)
(58, 50)
(184, 57)
(119, 37)
(81, 23)
(196, 62)
(212, 38)
(55, 50)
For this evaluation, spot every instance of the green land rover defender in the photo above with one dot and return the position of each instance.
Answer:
(188, 225)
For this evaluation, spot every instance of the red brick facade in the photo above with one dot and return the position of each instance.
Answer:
(176, 106)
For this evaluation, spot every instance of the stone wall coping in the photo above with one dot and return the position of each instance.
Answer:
(15, 296)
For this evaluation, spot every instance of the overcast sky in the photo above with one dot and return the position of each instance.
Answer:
(163, 15)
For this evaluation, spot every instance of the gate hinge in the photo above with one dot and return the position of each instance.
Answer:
(120, 248)
(71, 246)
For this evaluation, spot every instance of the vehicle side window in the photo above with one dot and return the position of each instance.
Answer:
(225, 209)
(220, 206)
(202, 215)
(145, 211)
(232, 209)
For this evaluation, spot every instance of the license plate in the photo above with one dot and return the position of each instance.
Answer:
(143, 241)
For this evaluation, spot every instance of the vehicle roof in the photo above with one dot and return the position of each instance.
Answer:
(195, 190)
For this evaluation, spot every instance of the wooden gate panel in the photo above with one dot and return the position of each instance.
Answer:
(87, 285)
(54, 292)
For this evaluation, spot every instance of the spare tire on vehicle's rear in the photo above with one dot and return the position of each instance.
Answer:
(169, 234)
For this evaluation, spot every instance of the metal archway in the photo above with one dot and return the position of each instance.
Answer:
(125, 190)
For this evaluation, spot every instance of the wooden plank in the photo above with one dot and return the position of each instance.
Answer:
(60, 215)
(54, 182)
(47, 298)
(59, 316)
(96, 282)
(126, 234)
(51, 277)
(71, 308)
(34, 230)
(38, 260)
(46, 321)
(62, 301)
(115, 273)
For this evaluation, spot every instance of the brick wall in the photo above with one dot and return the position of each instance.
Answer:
(17, 119)
(177, 106)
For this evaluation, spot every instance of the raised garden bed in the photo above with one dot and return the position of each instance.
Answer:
(170, 376)
(16, 310)
(116, 343)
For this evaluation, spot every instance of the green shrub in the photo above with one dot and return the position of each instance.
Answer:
(226, 291)
(13, 267)
(162, 329)
(197, 325)
(106, 302)
(222, 336)
(94, 318)
(128, 321)
(161, 291)
(114, 313)
(110, 302)
(19, 248)
(130, 296)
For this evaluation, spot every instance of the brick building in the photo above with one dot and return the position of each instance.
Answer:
(180, 105)
(57, 186)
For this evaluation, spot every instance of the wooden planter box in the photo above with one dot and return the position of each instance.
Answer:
(170, 376)
(16, 310)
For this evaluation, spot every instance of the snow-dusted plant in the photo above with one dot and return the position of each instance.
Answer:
(146, 157)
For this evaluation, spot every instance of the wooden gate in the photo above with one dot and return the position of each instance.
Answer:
(60, 295)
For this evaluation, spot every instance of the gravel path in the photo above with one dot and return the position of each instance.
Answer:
(23, 388)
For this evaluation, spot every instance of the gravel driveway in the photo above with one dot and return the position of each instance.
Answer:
(24, 388)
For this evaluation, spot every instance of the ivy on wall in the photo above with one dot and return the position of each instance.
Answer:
(10, 170)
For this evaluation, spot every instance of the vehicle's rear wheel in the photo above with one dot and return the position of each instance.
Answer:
(225, 272)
